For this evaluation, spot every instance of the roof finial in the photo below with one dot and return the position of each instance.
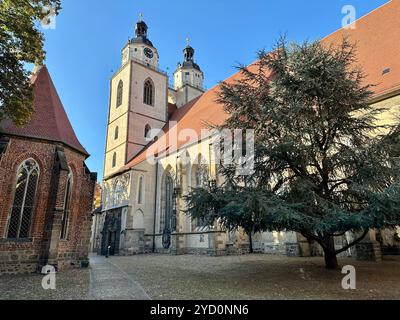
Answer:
(141, 15)
(188, 41)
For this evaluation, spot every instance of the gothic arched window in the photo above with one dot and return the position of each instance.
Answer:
(24, 199)
(168, 205)
(147, 130)
(148, 93)
(114, 160)
(201, 178)
(140, 190)
(67, 206)
(120, 92)
(116, 133)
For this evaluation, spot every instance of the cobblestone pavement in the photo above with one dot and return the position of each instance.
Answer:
(258, 277)
(109, 282)
(70, 285)
(203, 278)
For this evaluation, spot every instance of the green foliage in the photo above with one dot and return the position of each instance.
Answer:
(21, 42)
(323, 166)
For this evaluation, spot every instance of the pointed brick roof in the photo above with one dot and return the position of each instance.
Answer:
(49, 120)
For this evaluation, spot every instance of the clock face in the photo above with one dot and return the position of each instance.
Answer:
(148, 53)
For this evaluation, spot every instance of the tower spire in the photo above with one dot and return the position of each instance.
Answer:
(188, 52)
(188, 77)
(141, 31)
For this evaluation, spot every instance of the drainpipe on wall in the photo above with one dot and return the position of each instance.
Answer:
(155, 210)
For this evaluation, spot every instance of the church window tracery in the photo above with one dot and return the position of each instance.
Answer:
(24, 200)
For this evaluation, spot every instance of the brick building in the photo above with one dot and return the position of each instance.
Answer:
(46, 190)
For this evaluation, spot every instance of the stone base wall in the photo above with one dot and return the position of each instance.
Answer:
(390, 250)
(12, 268)
(212, 243)
(270, 248)
(16, 262)
(390, 241)
(369, 251)
(292, 249)
(133, 242)
(19, 256)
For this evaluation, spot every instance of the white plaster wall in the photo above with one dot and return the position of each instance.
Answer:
(186, 94)
(192, 76)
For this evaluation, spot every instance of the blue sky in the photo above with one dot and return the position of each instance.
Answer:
(85, 47)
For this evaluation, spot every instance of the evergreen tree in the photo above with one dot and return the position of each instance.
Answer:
(323, 164)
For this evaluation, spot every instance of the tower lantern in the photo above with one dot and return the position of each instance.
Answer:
(188, 77)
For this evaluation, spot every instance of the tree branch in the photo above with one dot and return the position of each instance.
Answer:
(338, 234)
(353, 243)
(313, 237)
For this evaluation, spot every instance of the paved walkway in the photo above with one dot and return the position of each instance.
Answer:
(203, 278)
(110, 282)
(257, 277)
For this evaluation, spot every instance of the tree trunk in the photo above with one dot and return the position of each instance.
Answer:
(330, 253)
(251, 242)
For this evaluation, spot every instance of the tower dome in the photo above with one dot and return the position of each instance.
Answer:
(188, 59)
(188, 78)
(141, 33)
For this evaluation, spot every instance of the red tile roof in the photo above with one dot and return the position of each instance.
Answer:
(49, 121)
(377, 36)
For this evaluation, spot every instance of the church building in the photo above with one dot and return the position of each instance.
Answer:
(147, 172)
(46, 190)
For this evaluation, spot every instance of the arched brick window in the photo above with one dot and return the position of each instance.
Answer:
(67, 206)
(120, 92)
(19, 224)
(148, 92)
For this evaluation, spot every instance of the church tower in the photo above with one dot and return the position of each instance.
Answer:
(188, 79)
(138, 101)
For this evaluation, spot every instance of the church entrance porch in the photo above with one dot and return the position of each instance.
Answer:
(111, 232)
(112, 235)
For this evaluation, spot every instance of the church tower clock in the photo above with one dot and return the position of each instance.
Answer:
(138, 101)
